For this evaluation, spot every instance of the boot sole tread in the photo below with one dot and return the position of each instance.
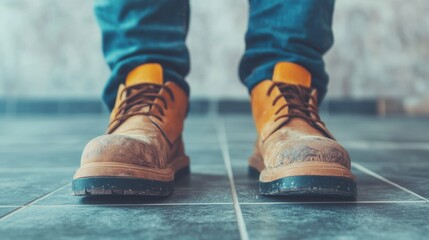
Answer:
(112, 185)
(308, 185)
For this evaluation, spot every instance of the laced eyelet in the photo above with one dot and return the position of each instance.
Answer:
(140, 97)
(297, 100)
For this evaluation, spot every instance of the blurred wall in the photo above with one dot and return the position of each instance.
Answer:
(51, 49)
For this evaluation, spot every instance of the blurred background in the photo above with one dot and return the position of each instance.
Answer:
(50, 51)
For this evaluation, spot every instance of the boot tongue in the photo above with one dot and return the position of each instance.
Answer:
(146, 73)
(150, 73)
(291, 73)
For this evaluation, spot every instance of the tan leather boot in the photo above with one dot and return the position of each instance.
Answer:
(295, 154)
(142, 150)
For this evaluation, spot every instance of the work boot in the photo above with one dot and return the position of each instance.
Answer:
(295, 154)
(142, 151)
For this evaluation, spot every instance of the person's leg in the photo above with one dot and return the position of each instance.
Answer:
(143, 31)
(283, 68)
(287, 30)
(142, 151)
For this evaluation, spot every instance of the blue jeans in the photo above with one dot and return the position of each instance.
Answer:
(141, 31)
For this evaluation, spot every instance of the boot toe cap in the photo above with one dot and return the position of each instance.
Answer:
(121, 149)
(309, 149)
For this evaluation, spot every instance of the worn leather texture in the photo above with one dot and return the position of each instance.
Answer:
(292, 139)
(145, 127)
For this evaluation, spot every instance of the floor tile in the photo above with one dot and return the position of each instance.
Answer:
(5, 210)
(40, 154)
(40, 159)
(39, 144)
(52, 126)
(240, 153)
(397, 129)
(390, 156)
(205, 156)
(22, 187)
(337, 221)
(413, 177)
(408, 168)
(97, 222)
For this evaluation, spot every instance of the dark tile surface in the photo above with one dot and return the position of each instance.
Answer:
(205, 156)
(200, 133)
(39, 155)
(411, 175)
(240, 153)
(5, 210)
(397, 129)
(21, 187)
(337, 221)
(408, 168)
(53, 125)
(390, 157)
(98, 222)
(41, 159)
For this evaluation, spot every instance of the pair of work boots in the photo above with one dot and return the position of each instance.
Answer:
(142, 152)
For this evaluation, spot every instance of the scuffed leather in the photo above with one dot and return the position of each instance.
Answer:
(143, 140)
(291, 140)
(288, 146)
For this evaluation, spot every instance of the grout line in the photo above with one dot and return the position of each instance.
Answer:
(32, 202)
(374, 174)
(221, 132)
(51, 193)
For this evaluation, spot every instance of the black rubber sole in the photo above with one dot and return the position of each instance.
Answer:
(102, 186)
(303, 186)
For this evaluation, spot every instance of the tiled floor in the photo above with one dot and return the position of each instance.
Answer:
(219, 200)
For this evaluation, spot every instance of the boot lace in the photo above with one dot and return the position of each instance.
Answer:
(140, 100)
(298, 100)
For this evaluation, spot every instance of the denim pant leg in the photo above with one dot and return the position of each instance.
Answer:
(296, 31)
(135, 32)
